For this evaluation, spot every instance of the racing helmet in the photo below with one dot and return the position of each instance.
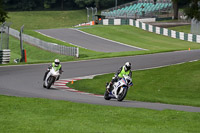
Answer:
(127, 66)
(57, 62)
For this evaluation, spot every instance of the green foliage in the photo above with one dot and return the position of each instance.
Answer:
(3, 13)
(21, 4)
(29, 5)
(193, 10)
(99, 3)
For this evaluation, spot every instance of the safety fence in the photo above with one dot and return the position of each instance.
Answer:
(155, 29)
(4, 56)
(4, 43)
(195, 26)
(52, 47)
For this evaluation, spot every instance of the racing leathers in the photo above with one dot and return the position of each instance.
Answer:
(59, 67)
(118, 75)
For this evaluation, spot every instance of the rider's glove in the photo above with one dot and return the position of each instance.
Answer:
(115, 77)
(61, 71)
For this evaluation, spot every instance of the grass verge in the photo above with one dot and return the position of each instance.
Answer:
(177, 84)
(141, 38)
(34, 54)
(46, 19)
(185, 28)
(42, 115)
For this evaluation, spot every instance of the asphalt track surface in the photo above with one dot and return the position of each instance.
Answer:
(26, 80)
(87, 41)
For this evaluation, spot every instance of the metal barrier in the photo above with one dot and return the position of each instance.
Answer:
(195, 27)
(52, 47)
(4, 56)
(4, 44)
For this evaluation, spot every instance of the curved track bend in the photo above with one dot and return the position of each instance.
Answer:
(26, 81)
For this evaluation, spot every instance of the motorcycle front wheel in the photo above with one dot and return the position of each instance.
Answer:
(50, 81)
(44, 85)
(122, 95)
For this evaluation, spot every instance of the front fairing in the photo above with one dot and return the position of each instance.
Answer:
(54, 72)
(119, 87)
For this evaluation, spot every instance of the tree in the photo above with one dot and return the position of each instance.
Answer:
(3, 14)
(100, 4)
(176, 8)
(23, 5)
(193, 10)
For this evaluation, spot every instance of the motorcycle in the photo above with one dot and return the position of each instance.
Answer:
(119, 89)
(51, 77)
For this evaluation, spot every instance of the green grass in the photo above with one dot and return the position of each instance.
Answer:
(177, 84)
(33, 20)
(185, 28)
(34, 54)
(128, 35)
(42, 115)
(141, 38)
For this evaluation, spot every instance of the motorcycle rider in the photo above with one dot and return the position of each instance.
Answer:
(56, 65)
(124, 70)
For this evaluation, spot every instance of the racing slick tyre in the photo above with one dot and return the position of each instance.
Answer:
(50, 81)
(106, 95)
(44, 85)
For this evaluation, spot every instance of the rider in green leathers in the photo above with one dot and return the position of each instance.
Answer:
(124, 70)
(56, 65)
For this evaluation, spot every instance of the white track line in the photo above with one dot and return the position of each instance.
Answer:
(108, 39)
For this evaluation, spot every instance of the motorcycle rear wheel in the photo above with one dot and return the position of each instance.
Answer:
(106, 95)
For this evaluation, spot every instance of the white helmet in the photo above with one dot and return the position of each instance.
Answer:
(127, 66)
(57, 62)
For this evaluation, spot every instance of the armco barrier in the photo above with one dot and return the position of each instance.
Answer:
(155, 29)
(4, 56)
(52, 47)
(115, 21)
(166, 32)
